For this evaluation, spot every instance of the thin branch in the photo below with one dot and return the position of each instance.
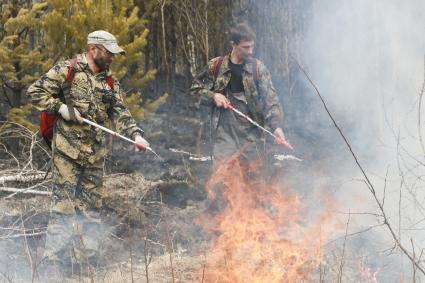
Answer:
(369, 183)
(414, 256)
(355, 233)
(421, 94)
(6, 277)
(203, 272)
(27, 249)
(385, 187)
(130, 234)
(169, 241)
(146, 255)
(341, 265)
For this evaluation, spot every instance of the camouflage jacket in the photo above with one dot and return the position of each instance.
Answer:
(264, 98)
(94, 99)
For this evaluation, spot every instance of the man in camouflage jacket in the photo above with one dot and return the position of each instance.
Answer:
(245, 83)
(79, 149)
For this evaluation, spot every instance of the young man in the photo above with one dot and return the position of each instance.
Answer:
(78, 148)
(244, 82)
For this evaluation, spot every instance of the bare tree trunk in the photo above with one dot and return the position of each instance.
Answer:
(207, 48)
(164, 45)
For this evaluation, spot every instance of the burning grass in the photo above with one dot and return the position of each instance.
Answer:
(260, 234)
(259, 231)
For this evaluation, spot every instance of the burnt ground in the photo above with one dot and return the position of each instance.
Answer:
(148, 196)
(156, 203)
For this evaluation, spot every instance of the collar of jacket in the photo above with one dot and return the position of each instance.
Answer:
(248, 65)
(84, 66)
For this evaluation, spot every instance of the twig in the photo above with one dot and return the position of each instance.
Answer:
(321, 277)
(80, 237)
(341, 265)
(121, 273)
(6, 277)
(146, 255)
(129, 234)
(203, 273)
(11, 155)
(421, 94)
(36, 259)
(33, 142)
(169, 242)
(414, 256)
(368, 182)
(385, 187)
(27, 249)
(355, 233)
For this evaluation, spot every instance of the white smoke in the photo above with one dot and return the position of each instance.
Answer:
(367, 59)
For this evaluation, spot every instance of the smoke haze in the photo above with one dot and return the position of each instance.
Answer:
(367, 59)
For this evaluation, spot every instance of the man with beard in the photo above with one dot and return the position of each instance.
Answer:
(244, 82)
(74, 234)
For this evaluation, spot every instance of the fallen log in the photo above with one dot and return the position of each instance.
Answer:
(24, 177)
(25, 191)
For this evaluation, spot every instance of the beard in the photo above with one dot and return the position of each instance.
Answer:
(247, 57)
(101, 63)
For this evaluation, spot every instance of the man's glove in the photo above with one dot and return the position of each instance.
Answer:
(64, 112)
(141, 143)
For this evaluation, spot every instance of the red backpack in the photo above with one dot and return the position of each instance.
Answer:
(48, 120)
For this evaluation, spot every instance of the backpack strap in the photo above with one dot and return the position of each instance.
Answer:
(66, 87)
(217, 65)
(72, 70)
(110, 82)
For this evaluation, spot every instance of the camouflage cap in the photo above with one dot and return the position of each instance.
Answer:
(106, 39)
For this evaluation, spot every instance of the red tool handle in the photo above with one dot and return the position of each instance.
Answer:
(140, 146)
(284, 143)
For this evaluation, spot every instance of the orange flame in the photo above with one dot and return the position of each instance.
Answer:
(260, 236)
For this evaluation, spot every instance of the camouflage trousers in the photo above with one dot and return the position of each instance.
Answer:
(74, 232)
(235, 135)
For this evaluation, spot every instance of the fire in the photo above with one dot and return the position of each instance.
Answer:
(260, 235)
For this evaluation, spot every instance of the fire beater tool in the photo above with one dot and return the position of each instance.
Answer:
(279, 140)
(138, 145)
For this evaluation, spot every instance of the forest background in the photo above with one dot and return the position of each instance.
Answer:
(365, 59)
